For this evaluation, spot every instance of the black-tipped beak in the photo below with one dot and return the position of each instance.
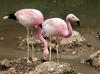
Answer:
(78, 23)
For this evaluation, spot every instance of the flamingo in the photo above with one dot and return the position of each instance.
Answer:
(29, 18)
(57, 27)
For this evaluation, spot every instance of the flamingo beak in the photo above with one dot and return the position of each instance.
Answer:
(78, 23)
(5, 17)
(10, 16)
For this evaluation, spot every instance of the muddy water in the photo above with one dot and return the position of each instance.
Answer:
(9, 50)
(50, 8)
(8, 46)
(89, 34)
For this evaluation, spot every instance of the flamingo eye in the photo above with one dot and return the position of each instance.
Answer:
(73, 17)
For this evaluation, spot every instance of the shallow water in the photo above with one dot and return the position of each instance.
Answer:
(9, 50)
(86, 10)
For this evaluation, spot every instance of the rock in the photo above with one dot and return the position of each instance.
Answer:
(20, 66)
(50, 68)
(98, 35)
(9, 71)
(76, 37)
(1, 38)
(73, 52)
(80, 73)
(12, 70)
(82, 61)
(70, 46)
(94, 54)
(31, 72)
(66, 45)
(5, 63)
(94, 60)
(19, 38)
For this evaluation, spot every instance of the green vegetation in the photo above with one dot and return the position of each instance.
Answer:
(70, 72)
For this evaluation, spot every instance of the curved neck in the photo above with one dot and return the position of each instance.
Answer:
(69, 28)
(39, 36)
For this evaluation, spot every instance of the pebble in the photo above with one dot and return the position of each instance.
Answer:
(82, 61)
(12, 70)
(73, 52)
(5, 62)
(1, 38)
(79, 73)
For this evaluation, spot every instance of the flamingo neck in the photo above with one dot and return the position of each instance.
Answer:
(39, 36)
(69, 28)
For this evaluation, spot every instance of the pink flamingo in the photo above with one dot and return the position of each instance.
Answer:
(29, 18)
(59, 28)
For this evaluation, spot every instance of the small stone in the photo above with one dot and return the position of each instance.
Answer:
(82, 61)
(5, 63)
(79, 73)
(25, 58)
(31, 72)
(94, 60)
(61, 66)
(1, 38)
(73, 52)
(51, 69)
(19, 38)
(12, 70)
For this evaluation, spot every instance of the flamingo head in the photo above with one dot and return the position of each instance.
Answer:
(10, 16)
(73, 18)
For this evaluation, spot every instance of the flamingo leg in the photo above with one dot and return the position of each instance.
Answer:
(33, 49)
(28, 45)
(33, 53)
(33, 57)
(57, 53)
(57, 46)
(50, 50)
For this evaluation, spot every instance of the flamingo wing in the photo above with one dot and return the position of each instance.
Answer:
(54, 26)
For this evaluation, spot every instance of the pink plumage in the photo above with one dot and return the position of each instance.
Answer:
(29, 18)
(58, 27)
(39, 35)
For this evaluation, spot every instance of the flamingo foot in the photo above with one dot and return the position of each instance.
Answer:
(28, 58)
